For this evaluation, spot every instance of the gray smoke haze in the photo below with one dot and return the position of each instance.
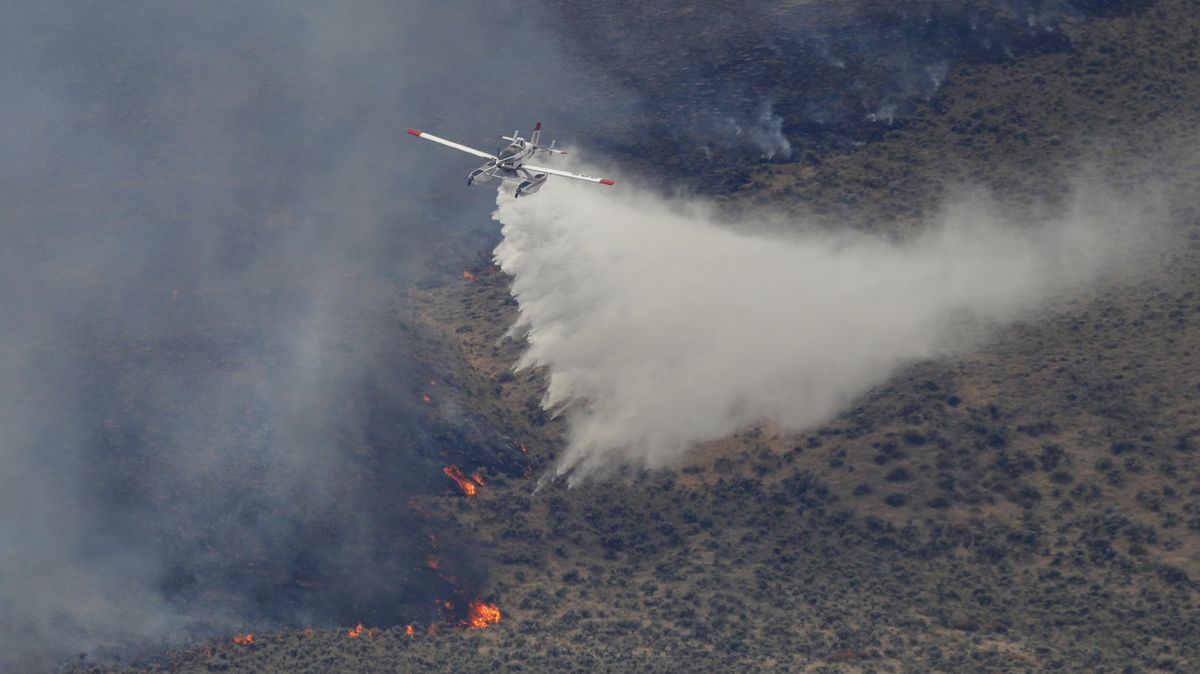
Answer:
(208, 420)
(662, 324)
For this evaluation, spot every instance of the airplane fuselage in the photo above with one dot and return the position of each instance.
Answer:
(515, 154)
(508, 164)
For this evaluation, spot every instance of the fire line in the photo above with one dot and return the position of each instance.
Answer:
(466, 484)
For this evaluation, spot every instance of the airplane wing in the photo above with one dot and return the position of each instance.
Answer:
(449, 143)
(576, 176)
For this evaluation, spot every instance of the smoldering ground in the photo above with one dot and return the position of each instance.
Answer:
(663, 324)
(720, 83)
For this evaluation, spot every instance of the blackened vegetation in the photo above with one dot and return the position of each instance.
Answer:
(472, 440)
(236, 533)
(725, 85)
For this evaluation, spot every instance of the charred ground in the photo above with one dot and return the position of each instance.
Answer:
(1033, 506)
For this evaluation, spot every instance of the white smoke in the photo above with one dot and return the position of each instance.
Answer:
(662, 326)
(764, 131)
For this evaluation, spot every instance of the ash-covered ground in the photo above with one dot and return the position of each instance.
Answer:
(240, 352)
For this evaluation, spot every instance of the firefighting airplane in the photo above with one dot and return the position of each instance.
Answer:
(509, 163)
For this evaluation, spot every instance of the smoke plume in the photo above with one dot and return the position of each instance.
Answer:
(662, 324)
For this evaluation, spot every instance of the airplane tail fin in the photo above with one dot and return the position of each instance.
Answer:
(535, 140)
(548, 149)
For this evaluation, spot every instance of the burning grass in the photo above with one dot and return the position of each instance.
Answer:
(468, 484)
(482, 614)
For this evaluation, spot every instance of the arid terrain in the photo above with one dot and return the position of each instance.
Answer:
(1033, 505)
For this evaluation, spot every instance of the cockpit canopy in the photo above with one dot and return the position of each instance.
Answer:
(512, 150)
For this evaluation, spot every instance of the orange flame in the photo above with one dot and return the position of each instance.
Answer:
(478, 478)
(432, 562)
(355, 631)
(408, 630)
(481, 614)
(468, 275)
(243, 639)
(426, 399)
(465, 483)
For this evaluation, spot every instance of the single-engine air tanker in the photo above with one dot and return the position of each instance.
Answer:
(509, 163)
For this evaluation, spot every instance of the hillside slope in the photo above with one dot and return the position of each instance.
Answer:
(1032, 506)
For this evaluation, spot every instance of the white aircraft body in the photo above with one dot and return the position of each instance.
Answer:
(510, 164)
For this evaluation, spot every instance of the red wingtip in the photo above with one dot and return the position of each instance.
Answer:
(606, 181)
(414, 132)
